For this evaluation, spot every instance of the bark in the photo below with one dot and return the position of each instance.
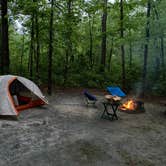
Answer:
(130, 51)
(68, 41)
(122, 45)
(104, 36)
(90, 42)
(4, 38)
(31, 55)
(110, 56)
(22, 55)
(50, 52)
(37, 46)
(66, 67)
(162, 57)
(131, 55)
(144, 76)
(1, 50)
(69, 31)
(161, 45)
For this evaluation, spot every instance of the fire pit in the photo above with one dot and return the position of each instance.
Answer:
(132, 106)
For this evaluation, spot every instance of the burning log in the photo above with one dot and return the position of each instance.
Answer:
(132, 106)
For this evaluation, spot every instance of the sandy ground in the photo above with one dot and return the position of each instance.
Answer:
(68, 133)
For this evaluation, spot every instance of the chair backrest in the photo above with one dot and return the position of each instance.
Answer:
(115, 91)
(90, 96)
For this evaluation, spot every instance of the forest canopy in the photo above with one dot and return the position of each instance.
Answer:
(86, 43)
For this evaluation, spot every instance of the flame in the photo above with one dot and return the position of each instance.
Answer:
(129, 105)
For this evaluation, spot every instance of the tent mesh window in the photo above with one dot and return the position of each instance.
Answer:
(18, 92)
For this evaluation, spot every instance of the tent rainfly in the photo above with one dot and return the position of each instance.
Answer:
(11, 102)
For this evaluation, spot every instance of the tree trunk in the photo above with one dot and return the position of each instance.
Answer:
(161, 45)
(144, 76)
(122, 46)
(104, 36)
(68, 41)
(31, 55)
(37, 46)
(130, 51)
(4, 38)
(66, 67)
(131, 55)
(90, 43)
(22, 54)
(1, 50)
(110, 56)
(50, 52)
(162, 57)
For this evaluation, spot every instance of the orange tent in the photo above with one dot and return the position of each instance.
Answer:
(11, 99)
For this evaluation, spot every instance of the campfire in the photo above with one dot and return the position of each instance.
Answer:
(132, 106)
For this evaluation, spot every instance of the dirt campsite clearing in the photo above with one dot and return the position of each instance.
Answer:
(68, 133)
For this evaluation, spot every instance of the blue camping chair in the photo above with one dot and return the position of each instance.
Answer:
(115, 91)
(90, 99)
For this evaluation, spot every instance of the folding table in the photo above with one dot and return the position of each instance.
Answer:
(110, 108)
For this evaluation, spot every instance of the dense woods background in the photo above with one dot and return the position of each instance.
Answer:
(86, 43)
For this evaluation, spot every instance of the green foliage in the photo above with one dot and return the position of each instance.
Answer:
(159, 88)
(88, 78)
(133, 75)
(72, 37)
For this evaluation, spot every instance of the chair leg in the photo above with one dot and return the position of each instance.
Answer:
(89, 101)
(86, 100)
